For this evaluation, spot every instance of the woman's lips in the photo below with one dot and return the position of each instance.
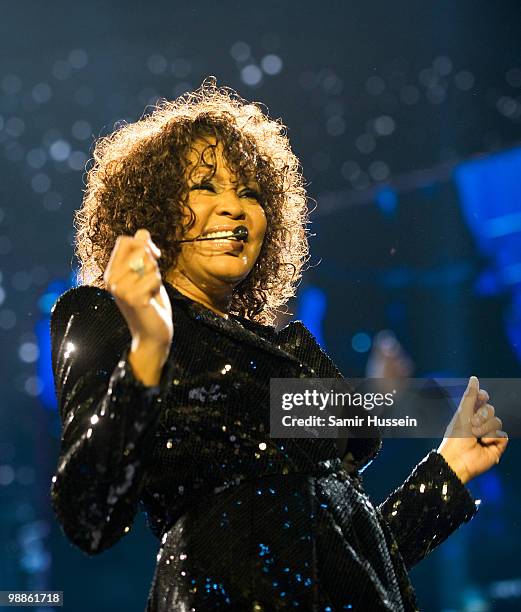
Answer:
(226, 244)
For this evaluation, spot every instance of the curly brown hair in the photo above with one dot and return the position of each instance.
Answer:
(138, 179)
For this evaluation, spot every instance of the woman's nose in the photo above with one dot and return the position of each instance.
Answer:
(230, 204)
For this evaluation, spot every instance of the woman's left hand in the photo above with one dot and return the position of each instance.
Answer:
(473, 441)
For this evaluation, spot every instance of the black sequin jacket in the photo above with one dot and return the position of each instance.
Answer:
(245, 522)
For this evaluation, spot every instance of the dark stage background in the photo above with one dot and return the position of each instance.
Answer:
(406, 116)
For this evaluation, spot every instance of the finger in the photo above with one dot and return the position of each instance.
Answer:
(468, 401)
(135, 291)
(149, 288)
(134, 252)
(483, 396)
(490, 426)
(121, 247)
(482, 414)
(143, 235)
(499, 437)
(156, 251)
(497, 444)
(387, 343)
(125, 277)
(122, 251)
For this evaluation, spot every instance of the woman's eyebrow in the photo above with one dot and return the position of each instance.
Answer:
(249, 182)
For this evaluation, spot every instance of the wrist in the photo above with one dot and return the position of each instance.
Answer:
(455, 463)
(147, 361)
(157, 351)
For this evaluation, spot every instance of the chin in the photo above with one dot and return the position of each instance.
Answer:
(230, 272)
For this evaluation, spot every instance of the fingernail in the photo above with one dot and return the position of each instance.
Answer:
(483, 412)
(471, 385)
(155, 248)
(501, 434)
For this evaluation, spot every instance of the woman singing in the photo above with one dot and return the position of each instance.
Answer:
(162, 360)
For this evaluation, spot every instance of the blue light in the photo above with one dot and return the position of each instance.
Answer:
(387, 201)
(46, 302)
(312, 306)
(488, 283)
(42, 330)
(361, 342)
(490, 193)
(491, 487)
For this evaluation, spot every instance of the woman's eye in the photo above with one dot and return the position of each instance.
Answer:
(250, 193)
(207, 186)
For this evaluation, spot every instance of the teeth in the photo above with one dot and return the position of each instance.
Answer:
(226, 234)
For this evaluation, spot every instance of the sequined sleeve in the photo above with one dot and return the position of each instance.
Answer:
(108, 418)
(429, 505)
(427, 508)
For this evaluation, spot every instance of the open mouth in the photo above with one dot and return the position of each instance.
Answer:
(223, 241)
(224, 235)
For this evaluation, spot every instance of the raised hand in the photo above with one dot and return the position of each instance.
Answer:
(133, 277)
(474, 441)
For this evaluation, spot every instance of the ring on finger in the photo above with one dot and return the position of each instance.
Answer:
(138, 265)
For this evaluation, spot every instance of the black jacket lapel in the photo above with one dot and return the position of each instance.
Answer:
(263, 337)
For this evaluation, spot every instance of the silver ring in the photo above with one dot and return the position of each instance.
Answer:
(138, 265)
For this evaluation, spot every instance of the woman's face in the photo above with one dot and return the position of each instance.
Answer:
(219, 203)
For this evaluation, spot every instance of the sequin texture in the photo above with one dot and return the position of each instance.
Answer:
(244, 521)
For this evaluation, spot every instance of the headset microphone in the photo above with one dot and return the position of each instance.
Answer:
(239, 233)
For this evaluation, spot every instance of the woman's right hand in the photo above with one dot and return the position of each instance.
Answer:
(143, 301)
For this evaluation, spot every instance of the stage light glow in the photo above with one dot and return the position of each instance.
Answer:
(271, 64)
(157, 63)
(78, 58)
(442, 65)
(41, 182)
(240, 51)
(384, 125)
(77, 160)
(251, 75)
(28, 352)
(379, 170)
(61, 70)
(60, 150)
(41, 93)
(36, 158)
(14, 126)
(33, 386)
(7, 319)
(361, 342)
(11, 84)
(387, 201)
(513, 77)
(350, 170)
(81, 129)
(464, 80)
